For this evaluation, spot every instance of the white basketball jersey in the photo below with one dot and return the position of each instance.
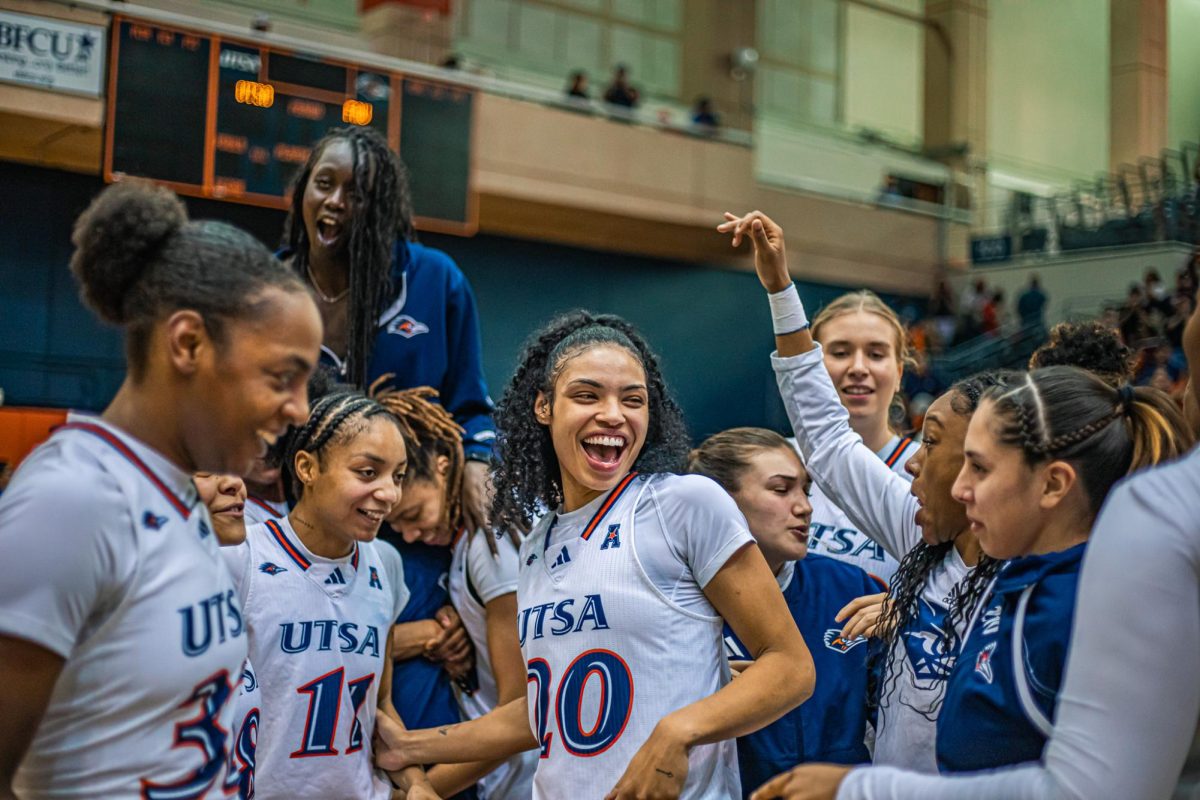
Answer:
(257, 510)
(609, 655)
(318, 639)
(143, 702)
(470, 590)
(832, 534)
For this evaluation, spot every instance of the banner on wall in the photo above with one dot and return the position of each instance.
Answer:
(51, 53)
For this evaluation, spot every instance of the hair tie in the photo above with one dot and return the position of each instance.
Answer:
(1125, 397)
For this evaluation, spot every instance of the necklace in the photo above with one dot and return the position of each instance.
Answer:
(317, 288)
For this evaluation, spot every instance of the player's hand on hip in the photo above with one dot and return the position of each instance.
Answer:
(805, 782)
(862, 615)
(389, 746)
(770, 256)
(656, 772)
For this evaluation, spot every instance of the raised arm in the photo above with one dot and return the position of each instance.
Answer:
(876, 500)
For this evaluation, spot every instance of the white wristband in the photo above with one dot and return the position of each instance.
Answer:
(787, 312)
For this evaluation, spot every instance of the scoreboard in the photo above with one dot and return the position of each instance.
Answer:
(221, 118)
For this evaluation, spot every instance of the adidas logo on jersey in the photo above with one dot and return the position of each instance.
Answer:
(271, 569)
(612, 538)
(563, 558)
(336, 577)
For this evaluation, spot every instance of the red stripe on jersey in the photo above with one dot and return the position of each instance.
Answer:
(905, 442)
(264, 505)
(608, 504)
(292, 551)
(109, 438)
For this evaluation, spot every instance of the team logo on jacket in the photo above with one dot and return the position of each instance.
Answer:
(153, 521)
(268, 568)
(406, 326)
(983, 662)
(835, 641)
(925, 644)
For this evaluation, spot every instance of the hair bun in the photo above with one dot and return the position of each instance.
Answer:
(117, 238)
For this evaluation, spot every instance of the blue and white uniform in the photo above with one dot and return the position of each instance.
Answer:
(832, 534)
(476, 579)
(617, 633)
(830, 726)
(1001, 696)
(878, 503)
(110, 562)
(318, 632)
(1128, 718)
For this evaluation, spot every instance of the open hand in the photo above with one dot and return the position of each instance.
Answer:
(770, 256)
(805, 782)
(389, 744)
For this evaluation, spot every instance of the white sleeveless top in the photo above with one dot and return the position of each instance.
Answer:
(110, 562)
(476, 579)
(608, 654)
(318, 632)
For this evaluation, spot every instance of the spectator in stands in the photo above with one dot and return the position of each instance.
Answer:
(995, 315)
(1182, 306)
(1133, 317)
(1155, 299)
(620, 92)
(1161, 370)
(452, 61)
(1031, 305)
(703, 115)
(579, 86)
(941, 310)
(970, 309)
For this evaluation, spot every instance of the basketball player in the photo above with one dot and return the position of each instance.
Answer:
(121, 636)
(865, 348)
(482, 587)
(319, 595)
(225, 498)
(761, 472)
(921, 523)
(622, 589)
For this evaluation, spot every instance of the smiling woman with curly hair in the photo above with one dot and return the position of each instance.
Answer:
(624, 584)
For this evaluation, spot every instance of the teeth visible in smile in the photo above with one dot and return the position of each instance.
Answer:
(606, 441)
(375, 516)
(857, 390)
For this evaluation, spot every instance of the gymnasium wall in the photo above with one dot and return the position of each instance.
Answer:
(1048, 88)
(711, 326)
(1183, 72)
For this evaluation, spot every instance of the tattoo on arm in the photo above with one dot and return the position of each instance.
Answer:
(444, 731)
(664, 772)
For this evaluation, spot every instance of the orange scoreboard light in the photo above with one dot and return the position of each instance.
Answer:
(216, 117)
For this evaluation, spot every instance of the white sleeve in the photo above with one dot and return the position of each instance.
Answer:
(69, 553)
(703, 528)
(492, 576)
(1130, 701)
(237, 559)
(393, 565)
(875, 499)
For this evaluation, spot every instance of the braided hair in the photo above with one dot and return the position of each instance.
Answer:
(1122, 430)
(334, 419)
(380, 215)
(525, 471)
(908, 584)
(429, 432)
